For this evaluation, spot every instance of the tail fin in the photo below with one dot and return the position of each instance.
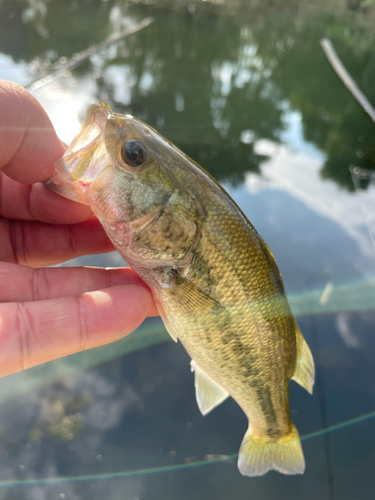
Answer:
(259, 455)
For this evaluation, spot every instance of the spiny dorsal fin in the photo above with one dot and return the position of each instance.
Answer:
(208, 393)
(304, 374)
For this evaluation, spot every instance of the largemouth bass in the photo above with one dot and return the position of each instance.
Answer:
(215, 281)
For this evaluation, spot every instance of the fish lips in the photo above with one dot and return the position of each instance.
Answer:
(76, 170)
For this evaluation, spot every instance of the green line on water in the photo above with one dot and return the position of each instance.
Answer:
(338, 427)
(357, 296)
(172, 468)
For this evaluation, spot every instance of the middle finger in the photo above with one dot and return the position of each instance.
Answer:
(36, 202)
(25, 284)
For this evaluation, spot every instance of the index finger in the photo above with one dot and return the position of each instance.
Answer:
(29, 144)
(29, 148)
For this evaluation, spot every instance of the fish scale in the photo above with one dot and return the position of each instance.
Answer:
(215, 282)
(250, 344)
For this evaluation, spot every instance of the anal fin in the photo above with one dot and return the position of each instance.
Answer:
(208, 393)
(304, 374)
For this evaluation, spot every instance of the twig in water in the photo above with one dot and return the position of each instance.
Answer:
(78, 59)
(346, 78)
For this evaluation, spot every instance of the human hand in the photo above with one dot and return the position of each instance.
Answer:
(46, 313)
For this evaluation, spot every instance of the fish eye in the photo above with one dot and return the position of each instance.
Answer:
(133, 153)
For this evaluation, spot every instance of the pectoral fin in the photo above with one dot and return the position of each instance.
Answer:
(189, 296)
(208, 393)
(304, 374)
(190, 299)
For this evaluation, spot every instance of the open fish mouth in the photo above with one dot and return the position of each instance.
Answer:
(92, 127)
(76, 170)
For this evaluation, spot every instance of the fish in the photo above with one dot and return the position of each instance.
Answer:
(214, 280)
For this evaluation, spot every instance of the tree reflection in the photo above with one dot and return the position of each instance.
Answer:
(215, 78)
(45, 31)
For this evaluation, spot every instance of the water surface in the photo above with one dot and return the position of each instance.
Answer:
(244, 89)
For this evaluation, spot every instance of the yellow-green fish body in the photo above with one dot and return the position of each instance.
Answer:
(215, 281)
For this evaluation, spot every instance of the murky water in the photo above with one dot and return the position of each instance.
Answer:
(245, 89)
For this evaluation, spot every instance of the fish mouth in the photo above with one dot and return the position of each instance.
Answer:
(76, 170)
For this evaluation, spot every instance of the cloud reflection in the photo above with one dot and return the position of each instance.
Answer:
(347, 335)
(298, 174)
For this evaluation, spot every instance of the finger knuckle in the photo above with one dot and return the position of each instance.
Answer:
(82, 323)
(26, 335)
